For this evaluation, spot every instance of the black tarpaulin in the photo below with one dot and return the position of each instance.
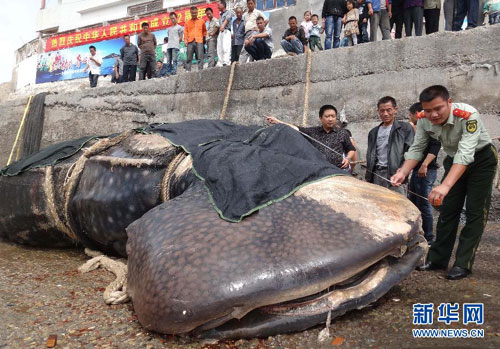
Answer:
(47, 156)
(245, 168)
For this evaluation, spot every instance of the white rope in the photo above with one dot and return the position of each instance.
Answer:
(324, 334)
(367, 170)
(116, 292)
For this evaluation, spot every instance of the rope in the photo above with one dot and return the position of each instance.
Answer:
(72, 180)
(167, 176)
(367, 170)
(116, 291)
(48, 188)
(228, 92)
(308, 82)
(19, 131)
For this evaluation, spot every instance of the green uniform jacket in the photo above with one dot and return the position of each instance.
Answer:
(461, 136)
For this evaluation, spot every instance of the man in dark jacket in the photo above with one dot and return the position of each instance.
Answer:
(387, 144)
(332, 13)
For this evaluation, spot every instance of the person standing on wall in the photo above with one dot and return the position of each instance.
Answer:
(147, 59)
(195, 31)
(175, 33)
(224, 39)
(432, 10)
(129, 54)
(117, 70)
(397, 17)
(238, 35)
(387, 144)
(469, 171)
(465, 8)
(94, 62)
(414, 16)
(332, 14)
(380, 12)
(212, 38)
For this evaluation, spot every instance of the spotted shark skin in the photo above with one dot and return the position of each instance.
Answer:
(192, 273)
(334, 245)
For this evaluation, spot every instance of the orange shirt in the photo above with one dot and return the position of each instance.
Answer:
(195, 30)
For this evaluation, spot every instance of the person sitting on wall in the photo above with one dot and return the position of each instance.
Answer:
(250, 17)
(94, 62)
(260, 45)
(294, 41)
(162, 72)
(330, 135)
(147, 60)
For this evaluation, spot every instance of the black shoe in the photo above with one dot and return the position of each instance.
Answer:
(430, 266)
(457, 273)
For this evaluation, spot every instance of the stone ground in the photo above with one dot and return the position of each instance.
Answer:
(42, 293)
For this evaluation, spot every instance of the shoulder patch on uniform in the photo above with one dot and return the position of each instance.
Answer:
(420, 115)
(471, 126)
(461, 113)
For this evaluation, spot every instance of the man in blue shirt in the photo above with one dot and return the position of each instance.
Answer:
(380, 12)
(238, 36)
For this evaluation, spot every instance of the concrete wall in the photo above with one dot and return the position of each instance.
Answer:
(467, 62)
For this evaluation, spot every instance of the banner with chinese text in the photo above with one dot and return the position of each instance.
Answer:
(117, 30)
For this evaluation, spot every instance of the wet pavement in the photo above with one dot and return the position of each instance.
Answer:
(42, 294)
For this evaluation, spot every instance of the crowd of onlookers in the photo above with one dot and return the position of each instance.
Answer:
(241, 35)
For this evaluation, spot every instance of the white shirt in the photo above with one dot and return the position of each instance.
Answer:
(93, 67)
(164, 48)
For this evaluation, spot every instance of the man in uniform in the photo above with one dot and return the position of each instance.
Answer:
(469, 170)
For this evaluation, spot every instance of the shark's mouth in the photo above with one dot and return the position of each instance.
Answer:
(356, 292)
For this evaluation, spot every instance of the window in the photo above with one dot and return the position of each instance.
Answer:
(272, 4)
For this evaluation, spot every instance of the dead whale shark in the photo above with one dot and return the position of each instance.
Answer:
(322, 243)
(335, 245)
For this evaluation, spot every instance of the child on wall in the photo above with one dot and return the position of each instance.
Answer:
(363, 22)
(350, 20)
(307, 24)
(315, 34)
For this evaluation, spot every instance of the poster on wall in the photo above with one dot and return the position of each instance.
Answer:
(70, 63)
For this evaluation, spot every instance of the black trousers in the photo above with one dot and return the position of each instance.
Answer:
(129, 72)
(93, 79)
(474, 187)
(259, 50)
(431, 20)
(235, 53)
(414, 17)
(397, 19)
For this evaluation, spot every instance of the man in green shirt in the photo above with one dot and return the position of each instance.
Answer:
(469, 171)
